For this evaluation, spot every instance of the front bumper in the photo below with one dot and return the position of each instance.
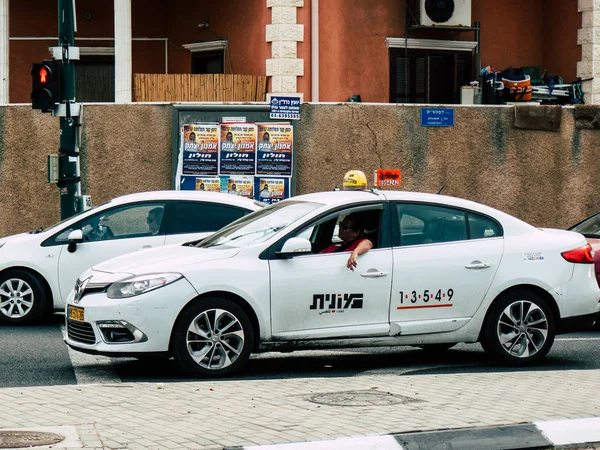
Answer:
(152, 314)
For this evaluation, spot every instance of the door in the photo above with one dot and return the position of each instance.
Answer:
(317, 296)
(445, 260)
(108, 234)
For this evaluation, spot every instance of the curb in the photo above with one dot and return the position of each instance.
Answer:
(547, 434)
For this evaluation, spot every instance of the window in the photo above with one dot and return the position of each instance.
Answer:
(125, 222)
(326, 232)
(208, 57)
(430, 224)
(208, 62)
(119, 223)
(482, 227)
(428, 76)
(194, 217)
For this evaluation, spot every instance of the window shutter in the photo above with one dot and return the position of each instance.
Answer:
(402, 79)
(420, 80)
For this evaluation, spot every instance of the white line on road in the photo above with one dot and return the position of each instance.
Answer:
(91, 369)
(578, 339)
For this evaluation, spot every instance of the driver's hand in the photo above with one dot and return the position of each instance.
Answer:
(351, 264)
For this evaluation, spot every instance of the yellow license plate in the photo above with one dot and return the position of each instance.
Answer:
(76, 313)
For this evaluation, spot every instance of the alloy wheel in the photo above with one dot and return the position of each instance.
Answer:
(215, 339)
(522, 329)
(16, 298)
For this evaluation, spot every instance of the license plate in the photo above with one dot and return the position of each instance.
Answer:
(76, 313)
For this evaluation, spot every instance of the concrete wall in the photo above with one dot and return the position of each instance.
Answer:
(546, 178)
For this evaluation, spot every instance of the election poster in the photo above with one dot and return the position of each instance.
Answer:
(237, 149)
(271, 190)
(200, 149)
(238, 185)
(196, 183)
(274, 149)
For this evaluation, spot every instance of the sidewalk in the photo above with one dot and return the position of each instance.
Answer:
(229, 414)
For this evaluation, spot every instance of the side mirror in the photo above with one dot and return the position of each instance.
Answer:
(295, 247)
(74, 237)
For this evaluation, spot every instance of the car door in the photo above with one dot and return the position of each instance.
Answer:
(191, 221)
(317, 296)
(445, 260)
(108, 234)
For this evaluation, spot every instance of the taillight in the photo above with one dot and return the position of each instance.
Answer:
(581, 255)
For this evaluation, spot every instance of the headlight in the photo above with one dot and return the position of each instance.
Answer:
(130, 287)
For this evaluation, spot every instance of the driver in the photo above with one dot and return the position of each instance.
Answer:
(153, 220)
(351, 234)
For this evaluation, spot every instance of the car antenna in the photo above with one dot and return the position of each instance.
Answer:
(438, 192)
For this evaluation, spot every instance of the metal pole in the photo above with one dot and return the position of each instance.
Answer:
(478, 49)
(68, 167)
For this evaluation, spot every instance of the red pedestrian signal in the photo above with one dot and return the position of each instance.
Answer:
(43, 75)
(45, 85)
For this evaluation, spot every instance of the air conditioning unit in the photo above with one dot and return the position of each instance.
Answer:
(455, 13)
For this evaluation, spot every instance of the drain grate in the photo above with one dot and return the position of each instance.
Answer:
(360, 398)
(24, 439)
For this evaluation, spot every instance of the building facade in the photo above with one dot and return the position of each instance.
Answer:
(325, 50)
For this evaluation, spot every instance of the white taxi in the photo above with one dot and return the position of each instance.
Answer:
(441, 270)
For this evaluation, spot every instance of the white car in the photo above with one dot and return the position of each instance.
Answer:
(442, 270)
(38, 269)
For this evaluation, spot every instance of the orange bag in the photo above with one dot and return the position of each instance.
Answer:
(517, 90)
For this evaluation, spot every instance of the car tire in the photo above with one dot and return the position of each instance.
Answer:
(23, 298)
(519, 328)
(201, 349)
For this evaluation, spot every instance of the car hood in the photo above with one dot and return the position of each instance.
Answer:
(171, 258)
(20, 238)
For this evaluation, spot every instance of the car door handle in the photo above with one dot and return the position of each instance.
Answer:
(146, 246)
(478, 265)
(373, 274)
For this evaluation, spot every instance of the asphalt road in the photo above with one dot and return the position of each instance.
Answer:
(37, 356)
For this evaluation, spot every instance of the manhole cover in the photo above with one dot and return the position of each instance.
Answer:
(360, 398)
(21, 439)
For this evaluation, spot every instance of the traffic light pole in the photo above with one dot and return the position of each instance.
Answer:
(68, 156)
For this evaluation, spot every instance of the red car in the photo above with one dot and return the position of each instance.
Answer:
(590, 228)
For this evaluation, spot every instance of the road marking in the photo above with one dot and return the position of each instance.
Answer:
(579, 339)
(91, 369)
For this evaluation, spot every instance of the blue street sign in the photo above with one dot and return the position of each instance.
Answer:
(437, 117)
(285, 108)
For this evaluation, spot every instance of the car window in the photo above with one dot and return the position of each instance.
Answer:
(195, 217)
(124, 222)
(481, 227)
(324, 233)
(430, 224)
(590, 227)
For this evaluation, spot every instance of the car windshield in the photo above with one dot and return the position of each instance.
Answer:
(260, 225)
(589, 227)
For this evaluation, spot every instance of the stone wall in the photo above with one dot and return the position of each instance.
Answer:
(550, 179)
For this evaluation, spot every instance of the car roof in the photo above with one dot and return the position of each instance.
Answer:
(335, 198)
(214, 197)
(332, 198)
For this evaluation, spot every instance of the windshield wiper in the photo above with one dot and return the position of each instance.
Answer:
(36, 231)
(274, 229)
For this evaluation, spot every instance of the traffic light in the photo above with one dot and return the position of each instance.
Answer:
(45, 85)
